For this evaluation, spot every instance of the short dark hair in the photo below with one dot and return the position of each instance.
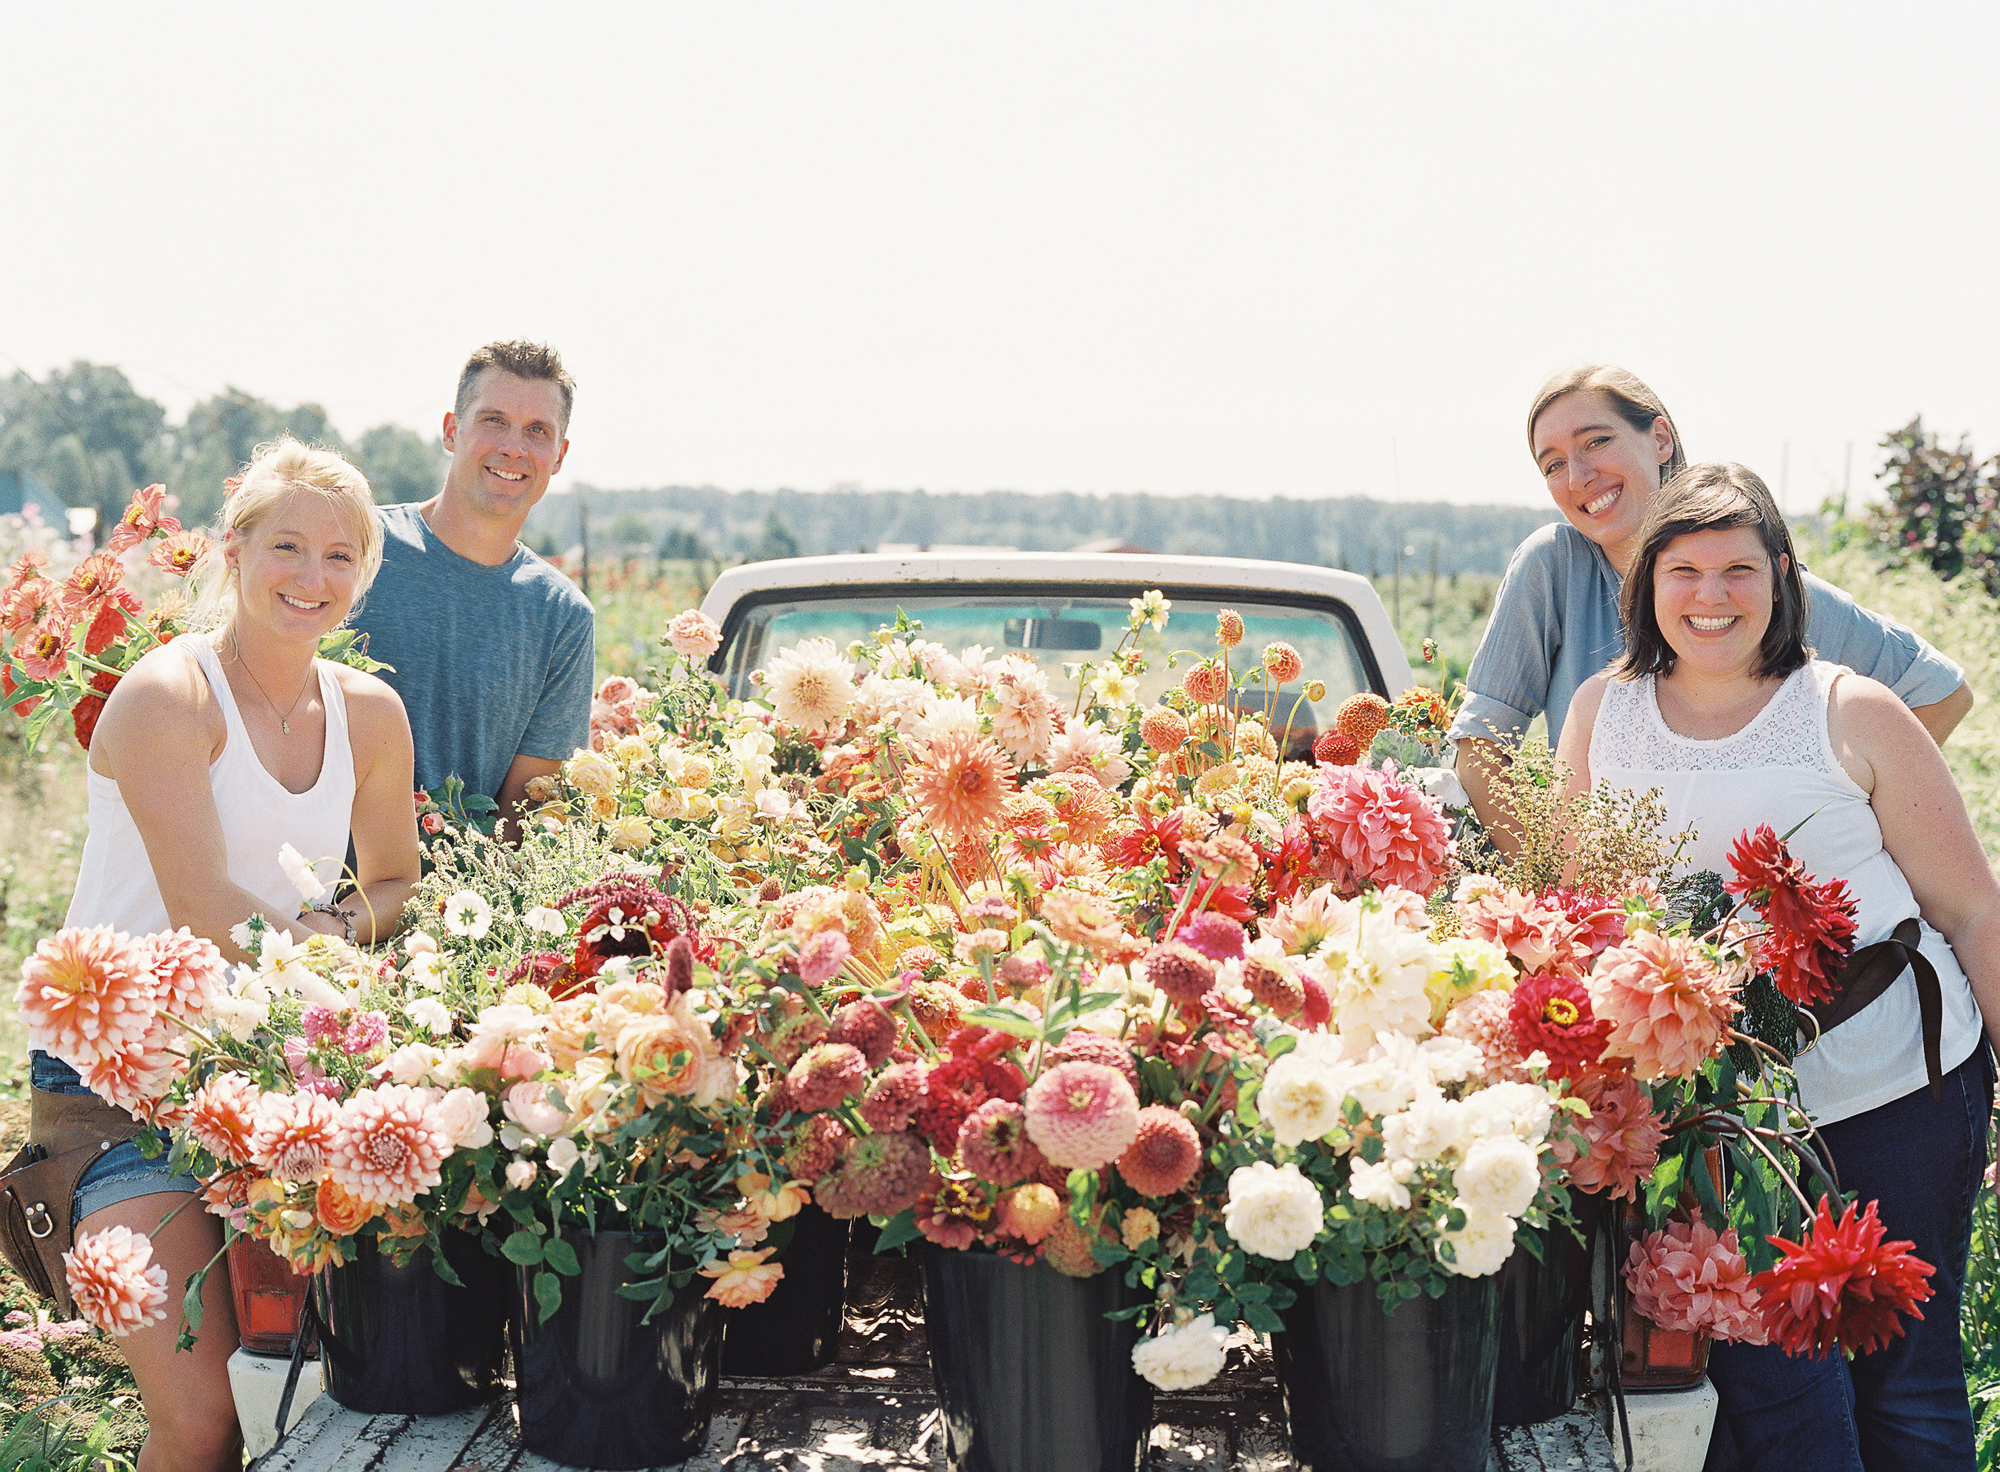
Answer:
(523, 359)
(1713, 497)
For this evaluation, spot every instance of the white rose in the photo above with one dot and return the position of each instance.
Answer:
(1300, 1098)
(1432, 1128)
(461, 1115)
(563, 1156)
(1521, 1110)
(1273, 1211)
(521, 1173)
(1377, 1185)
(411, 1063)
(1182, 1356)
(1452, 1060)
(1498, 1175)
(1481, 1245)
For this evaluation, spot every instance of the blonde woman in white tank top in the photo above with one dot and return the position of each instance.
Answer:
(211, 753)
(1719, 704)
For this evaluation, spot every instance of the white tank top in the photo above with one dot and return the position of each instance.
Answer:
(1781, 769)
(115, 885)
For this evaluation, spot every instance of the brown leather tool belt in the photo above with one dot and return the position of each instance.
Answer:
(1869, 973)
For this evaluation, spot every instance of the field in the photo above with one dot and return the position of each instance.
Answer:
(42, 828)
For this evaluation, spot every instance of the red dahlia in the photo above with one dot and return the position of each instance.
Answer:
(1843, 1287)
(1551, 1011)
(1809, 928)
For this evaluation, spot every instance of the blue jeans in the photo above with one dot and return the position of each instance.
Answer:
(121, 1172)
(1904, 1406)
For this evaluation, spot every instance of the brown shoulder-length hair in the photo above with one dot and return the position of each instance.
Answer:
(1633, 402)
(1702, 498)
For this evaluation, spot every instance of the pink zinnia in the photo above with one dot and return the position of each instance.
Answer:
(993, 1142)
(114, 1282)
(1379, 827)
(1621, 1138)
(954, 1213)
(386, 1146)
(1164, 1155)
(1082, 1115)
(1667, 1004)
(893, 1098)
(825, 1074)
(1687, 1278)
(878, 1176)
(863, 1023)
(86, 994)
(222, 1116)
(1216, 936)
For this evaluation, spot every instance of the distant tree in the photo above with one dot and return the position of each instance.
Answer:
(777, 540)
(629, 529)
(86, 432)
(678, 544)
(401, 465)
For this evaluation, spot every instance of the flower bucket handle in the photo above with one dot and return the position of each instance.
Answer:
(309, 1323)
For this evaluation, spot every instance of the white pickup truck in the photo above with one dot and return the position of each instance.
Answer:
(1060, 607)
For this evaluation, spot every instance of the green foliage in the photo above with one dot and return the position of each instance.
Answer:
(1941, 508)
(777, 541)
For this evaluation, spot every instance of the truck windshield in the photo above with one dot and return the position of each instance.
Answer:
(1061, 629)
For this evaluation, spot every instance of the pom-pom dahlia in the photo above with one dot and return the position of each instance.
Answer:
(1164, 1155)
(114, 1281)
(1667, 1005)
(1843, 1287)
(1282, 662)
(1336, 749)
(1206, 683)
(878, 1175)
(1361, 718)
(1688, 1279)
(1082, 1116)
(1067, 1248)
(1216, 936)
(1164, 729)
(993, 1142)
(1552, 1014)
(1274, 984)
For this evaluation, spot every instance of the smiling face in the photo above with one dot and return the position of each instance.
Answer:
(1713, 594)
(1601, 471)
(298, 568)
(505, 447)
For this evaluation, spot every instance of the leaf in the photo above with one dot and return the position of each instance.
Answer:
(1665, 1184)
(1002, 1020)
(548, 1296)
(523, 1248)
(1530, 1243)
(559, 1255)
(900, 1228)
(1262, 1317)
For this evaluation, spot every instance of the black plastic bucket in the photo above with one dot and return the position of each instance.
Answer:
(401, 1340)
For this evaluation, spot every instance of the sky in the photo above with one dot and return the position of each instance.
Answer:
(1276, 249)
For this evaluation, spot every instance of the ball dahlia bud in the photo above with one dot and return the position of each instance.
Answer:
(1030, 1212)
(1205, 684)
(1163, 1156)
(1315, 691)
(1229, 628)
(866, 1026)
(1318, 1005)
(770, 892)
(825, 1074)
(1164, 729)
(1282, 662)
(1362, 716)
(1180, 971)
(1337, 748)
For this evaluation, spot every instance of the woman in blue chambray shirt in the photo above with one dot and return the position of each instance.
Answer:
(1604, 444)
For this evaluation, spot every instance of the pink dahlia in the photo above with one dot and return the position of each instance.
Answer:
(892, 1098)
(386, 1146)
(1283, 662)
(863, 1024)
(1551, 1014)
(1667, 1004)
(825, 1074)
(1379, 827)
(86, 994)
(1687, 1278)
(1164, 1155)
(222, 1117)
(1206, 683)
(1067, 1249)
(993, 1142)
(1621, 1138)
(960, 784)
(138, 1078)
(1082, 1115)
(1485, 1019)
(878, 1176)
(188, 971)
(114, 1282)
(1536, 934)
(1275, 986)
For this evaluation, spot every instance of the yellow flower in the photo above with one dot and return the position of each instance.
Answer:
(697, 772)
(592, 773)
(630, 833)
(1138, 1226)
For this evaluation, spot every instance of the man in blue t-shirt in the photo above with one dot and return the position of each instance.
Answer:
(493, 650)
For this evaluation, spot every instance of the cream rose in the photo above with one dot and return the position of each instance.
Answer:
(1273, 1211)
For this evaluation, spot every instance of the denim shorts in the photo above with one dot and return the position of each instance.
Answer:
(121, 1172)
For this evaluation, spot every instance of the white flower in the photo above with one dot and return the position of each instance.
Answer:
(1521, 1110)
(420, 943)
(1498, 1175)
(468, 914)
(1272, 1211)
(410, 1064)
(946, 715)
(299, 869)
(563, 1156)
(521, 1173)
(544, 921)
(1480, 1246)
(461, 1116)
(239, 1015)
(431, 1015)
(1380, 976)
(241, 935)
(773, 806)
(506, 1023)
(1377, 1185)
(1113, 687)
(429, 969)
(1150, 609)
(811, 686)
(1182, 1356)
(1432, 1128)
(1301, 1098)
(1452, 1060)
(629, 834)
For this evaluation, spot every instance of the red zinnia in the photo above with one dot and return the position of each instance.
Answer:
(1809, 927)
(83, 717)
(955, 1088)
(1551, 1011)
(1843, 1287)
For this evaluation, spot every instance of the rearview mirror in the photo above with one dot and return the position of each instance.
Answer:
(1070, 634)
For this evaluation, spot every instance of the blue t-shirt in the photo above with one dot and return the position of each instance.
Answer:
(1555, 624)
(491, 662)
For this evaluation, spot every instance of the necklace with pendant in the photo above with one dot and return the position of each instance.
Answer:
(284, 717)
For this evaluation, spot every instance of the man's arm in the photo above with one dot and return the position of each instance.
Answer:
(1477, 763)
(513, 794)
(1942, 716)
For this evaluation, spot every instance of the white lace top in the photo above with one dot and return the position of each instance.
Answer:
(1781, 769)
